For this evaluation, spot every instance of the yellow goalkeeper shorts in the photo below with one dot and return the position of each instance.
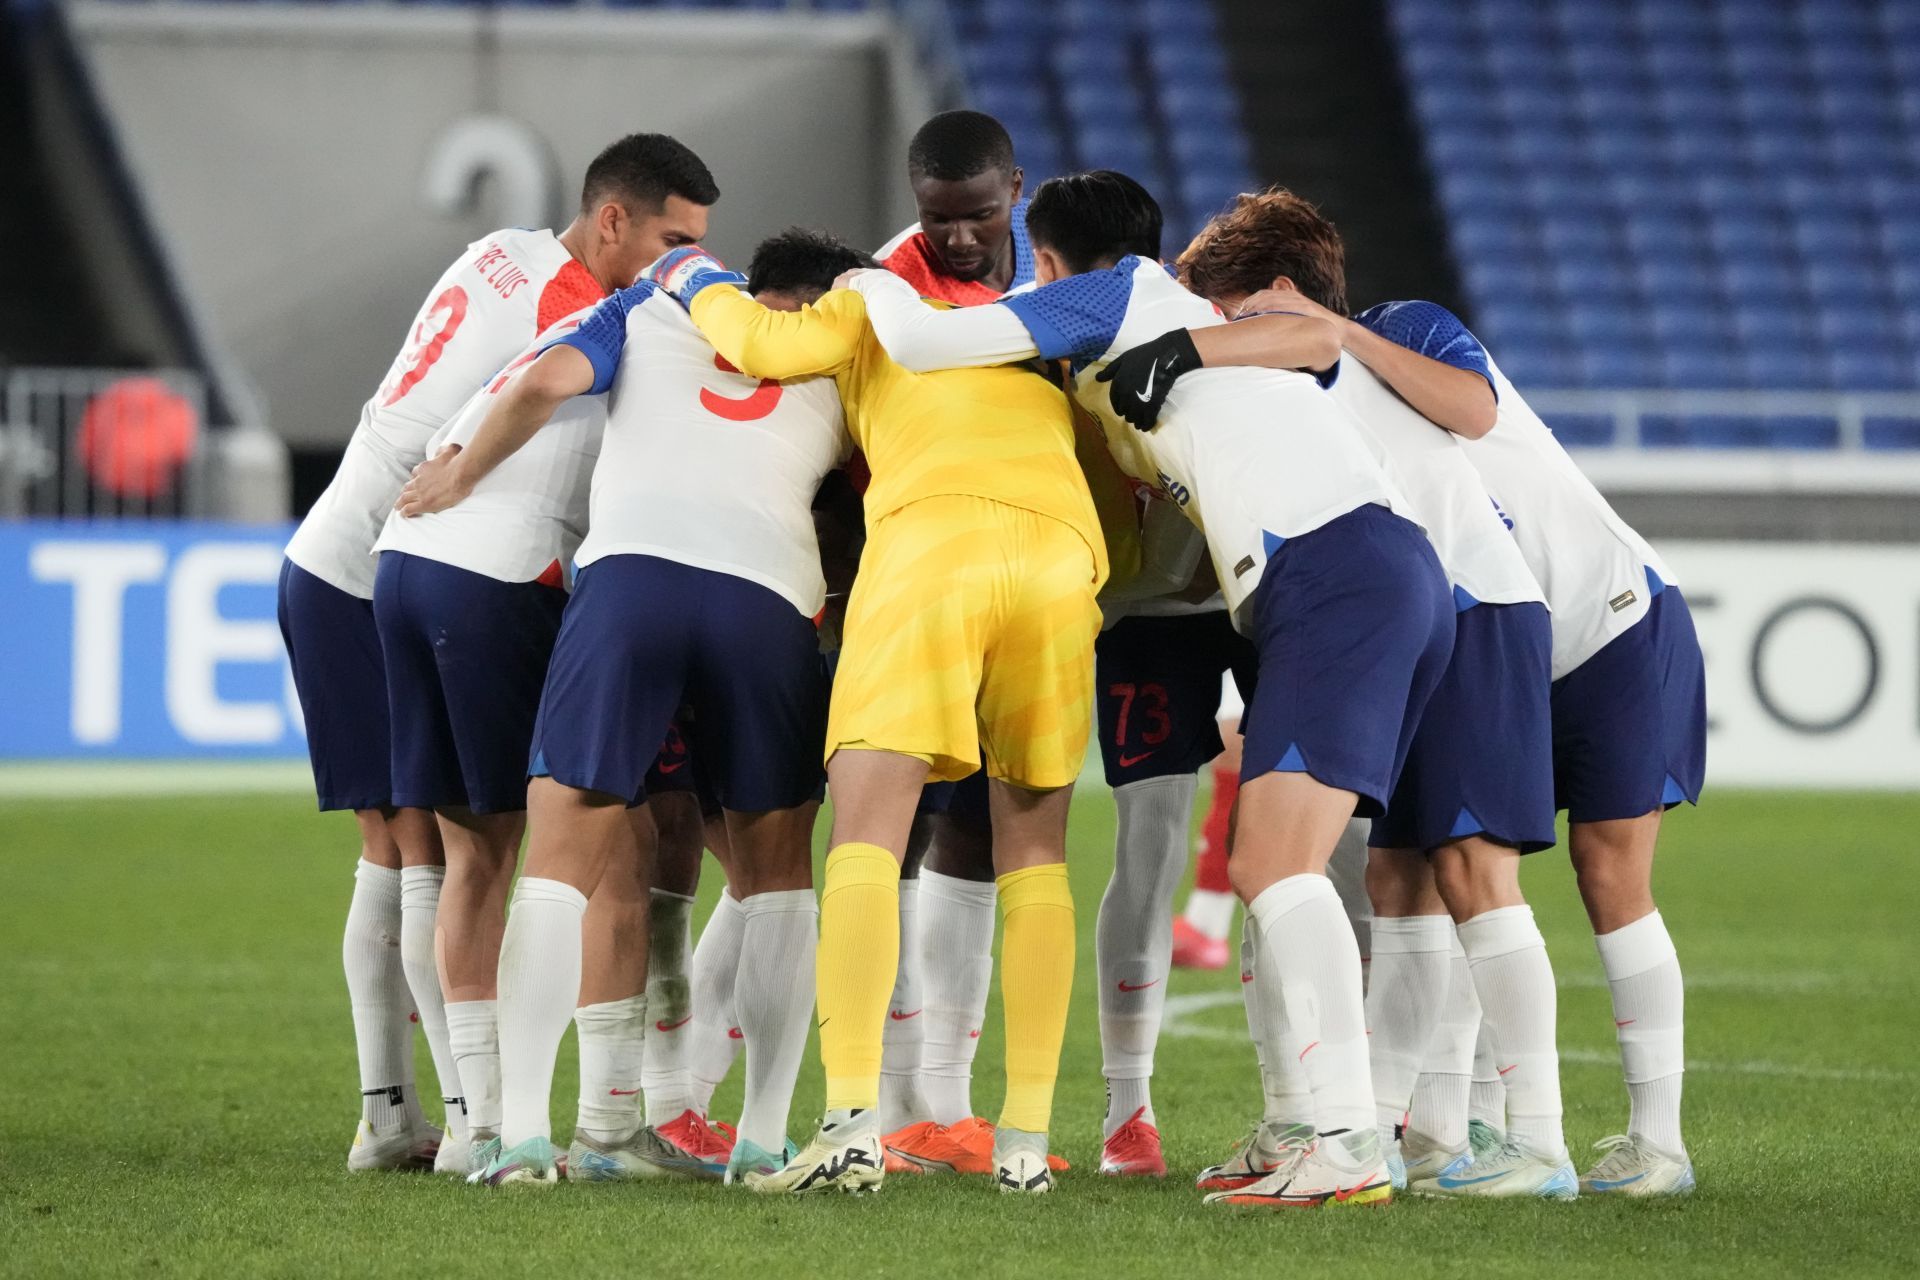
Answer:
(970, 631)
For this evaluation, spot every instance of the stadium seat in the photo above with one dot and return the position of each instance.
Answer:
(1891, 433)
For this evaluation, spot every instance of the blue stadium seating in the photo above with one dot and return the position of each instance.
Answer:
(1683, 193)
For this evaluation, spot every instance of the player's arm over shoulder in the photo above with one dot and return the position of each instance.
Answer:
(1424, 352)
(822, 338)
(922, 337)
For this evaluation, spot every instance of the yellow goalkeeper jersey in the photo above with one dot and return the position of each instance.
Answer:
(1002, 433)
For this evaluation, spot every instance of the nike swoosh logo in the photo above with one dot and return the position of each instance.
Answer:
(1468, 1182)
(1618, 1182)
(1246, 977)
(621, 1093)
(897, 1016)
(734, 1033)
(1124, 986)
(974, 1034)
(1340, 1196)
(1127, 762)
(675, 767)
(1153, 371)
(673, 1026)
(1504, 1070)
(1627, 1023)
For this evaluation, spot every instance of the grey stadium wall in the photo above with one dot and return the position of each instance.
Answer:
(310, 170)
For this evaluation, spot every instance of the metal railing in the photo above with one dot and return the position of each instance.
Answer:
(104, 443)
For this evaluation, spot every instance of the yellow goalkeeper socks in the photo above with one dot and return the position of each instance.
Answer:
(855, 967)
(1036, 985)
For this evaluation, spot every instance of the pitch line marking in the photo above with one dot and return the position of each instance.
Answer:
(1179, 1020)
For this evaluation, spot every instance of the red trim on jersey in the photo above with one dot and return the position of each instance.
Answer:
(914, 262)
(571, 288)
(552, 576)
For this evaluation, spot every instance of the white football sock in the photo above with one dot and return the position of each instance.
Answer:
(1649, 1008)
(1134, 935)
(774, 1002)
(1287, 1097)
(539, 984)
(473, 1031)
(377, 991)
(1308, 944)
(716, 1035)
(901, 1102)
(1408, 987)
(1487, 1097)
(419, 910)
(1439, 1108)
(1210, 911)
(1514, 980)
(664, 1075)
(956, 973)
(613, 1051)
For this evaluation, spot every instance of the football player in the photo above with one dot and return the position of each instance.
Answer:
(642, 195)
(1627, 714)
(1341, 595)
(699, 582)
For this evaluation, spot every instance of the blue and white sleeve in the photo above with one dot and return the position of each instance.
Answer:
(602, 336)
(1074, 318)
(1432, 331)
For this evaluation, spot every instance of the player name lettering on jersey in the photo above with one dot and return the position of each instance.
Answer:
(482, 312)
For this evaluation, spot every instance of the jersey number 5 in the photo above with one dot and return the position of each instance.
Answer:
(430, 338)
(756, 404)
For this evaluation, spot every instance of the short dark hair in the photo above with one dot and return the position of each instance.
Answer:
(801, 258)
(1096, 217)
(1262, 236)
(957, 145)
(642, 169)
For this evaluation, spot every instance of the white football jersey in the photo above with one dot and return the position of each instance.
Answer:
(485, 309)
(701, 464)
(1590, 564)
(524, 520)
(1484, 563)
(1253, 456)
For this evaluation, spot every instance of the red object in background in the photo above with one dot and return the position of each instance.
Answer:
(135, 435)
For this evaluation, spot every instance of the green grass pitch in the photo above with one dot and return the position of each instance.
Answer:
(178, 1090)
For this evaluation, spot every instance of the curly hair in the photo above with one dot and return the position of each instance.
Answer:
(1262, 236)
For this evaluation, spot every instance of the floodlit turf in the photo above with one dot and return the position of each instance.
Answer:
(179, 1089)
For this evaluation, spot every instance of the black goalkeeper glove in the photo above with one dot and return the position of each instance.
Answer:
(1141, 379)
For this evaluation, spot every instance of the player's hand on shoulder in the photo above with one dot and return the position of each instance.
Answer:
(860, 279)
(1288, 300)
(685, 271)
(436, 484)
(1139, 380)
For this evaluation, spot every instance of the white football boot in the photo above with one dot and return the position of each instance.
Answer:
(1020, 1162)
(844, 1156)
(1344, 1169)
(1512, 1171)
(1270, 1147)
(1634, 1167)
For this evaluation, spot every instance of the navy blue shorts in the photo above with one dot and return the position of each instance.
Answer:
(334, 649)
(1630, 723)
(965, 800)
(1482, 759)
(643, 635)
(1353, 623)
(466, 658)
(1157, 692)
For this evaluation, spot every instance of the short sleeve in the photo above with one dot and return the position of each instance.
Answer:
(1078, 317)
(1431, 330)
(602, 336)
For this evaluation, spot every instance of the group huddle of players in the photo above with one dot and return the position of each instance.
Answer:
(583, 575)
